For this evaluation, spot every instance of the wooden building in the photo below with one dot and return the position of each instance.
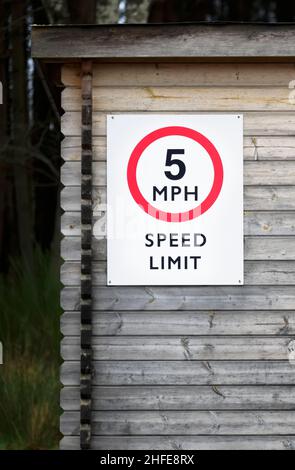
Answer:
(177, 367)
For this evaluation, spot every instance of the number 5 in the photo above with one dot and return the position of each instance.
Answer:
(175, 161)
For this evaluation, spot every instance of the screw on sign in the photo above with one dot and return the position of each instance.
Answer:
(181, 181)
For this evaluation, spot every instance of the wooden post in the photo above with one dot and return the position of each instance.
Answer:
(86, 255)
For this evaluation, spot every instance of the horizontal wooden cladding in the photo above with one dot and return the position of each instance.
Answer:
(184, 323)
(261, 198)
(259, 223)
(183, 423)
(255, 124)
(255, 273)
(256, 248)
(184, 41)
(184, 298)
(223, 397)
(182, 373)
(255, 173)
(255, 148)
(173, 348)
(183, 442)
(189, 98)
(183, 74)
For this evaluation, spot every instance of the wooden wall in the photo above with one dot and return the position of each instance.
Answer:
(187, 367)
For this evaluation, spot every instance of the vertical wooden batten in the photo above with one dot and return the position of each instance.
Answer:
(86, 255)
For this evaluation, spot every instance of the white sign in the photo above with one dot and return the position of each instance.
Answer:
(175, 199)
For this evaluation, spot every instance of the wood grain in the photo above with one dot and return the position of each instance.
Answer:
(223, 397)
(182, 373)
(145, 42)
(178, 99)
(183, 423)
(255, 272)
(176, 348)
(184, 298)
(183, 74)
(255, 148)
(168, 323)
(185, 443)
(255, 123)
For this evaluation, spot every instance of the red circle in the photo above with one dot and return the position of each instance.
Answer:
(178, 216)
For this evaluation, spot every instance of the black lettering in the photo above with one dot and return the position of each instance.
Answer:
(161, 238)
(173, 239)
(202, 243)
(152, 263)
(174, 191)
(175, 261)
(188, 193)
(159, 191)
(185, 239)
(170, 161)
(149, 240)
(195, 258)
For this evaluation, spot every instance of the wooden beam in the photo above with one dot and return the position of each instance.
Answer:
(165, 41)
(86, 256)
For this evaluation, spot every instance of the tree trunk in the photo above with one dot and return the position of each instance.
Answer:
(285, 10)
(82, 12)
(3, 131)
(20, 131)
(163, 11)
(239, 10)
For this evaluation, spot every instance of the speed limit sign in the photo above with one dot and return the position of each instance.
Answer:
(175, 199)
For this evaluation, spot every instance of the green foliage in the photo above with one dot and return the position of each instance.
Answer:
(30, 311)
(29, 406)
(29, 332)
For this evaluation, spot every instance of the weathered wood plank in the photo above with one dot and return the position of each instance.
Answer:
(185, 443)
(269, 222)
(71, 149)
(255, 223)
(248, 397)
(71, 195)
(184, 323)
(255, 124)
(183, 74)
(69, 273)
(255, 173)
(184, 298)
(269, 148)
(201, 41)
(255, 148)
(255, 273)
(182, 373)
(276, 198)
(261, 198)
(267, 248)
(202, 348)
(256, 248)
(180, 99)
(70, 248)
(137, 423)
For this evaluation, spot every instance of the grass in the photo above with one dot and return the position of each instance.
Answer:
(29, 377)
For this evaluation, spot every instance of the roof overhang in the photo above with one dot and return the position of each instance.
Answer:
(170, 41)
